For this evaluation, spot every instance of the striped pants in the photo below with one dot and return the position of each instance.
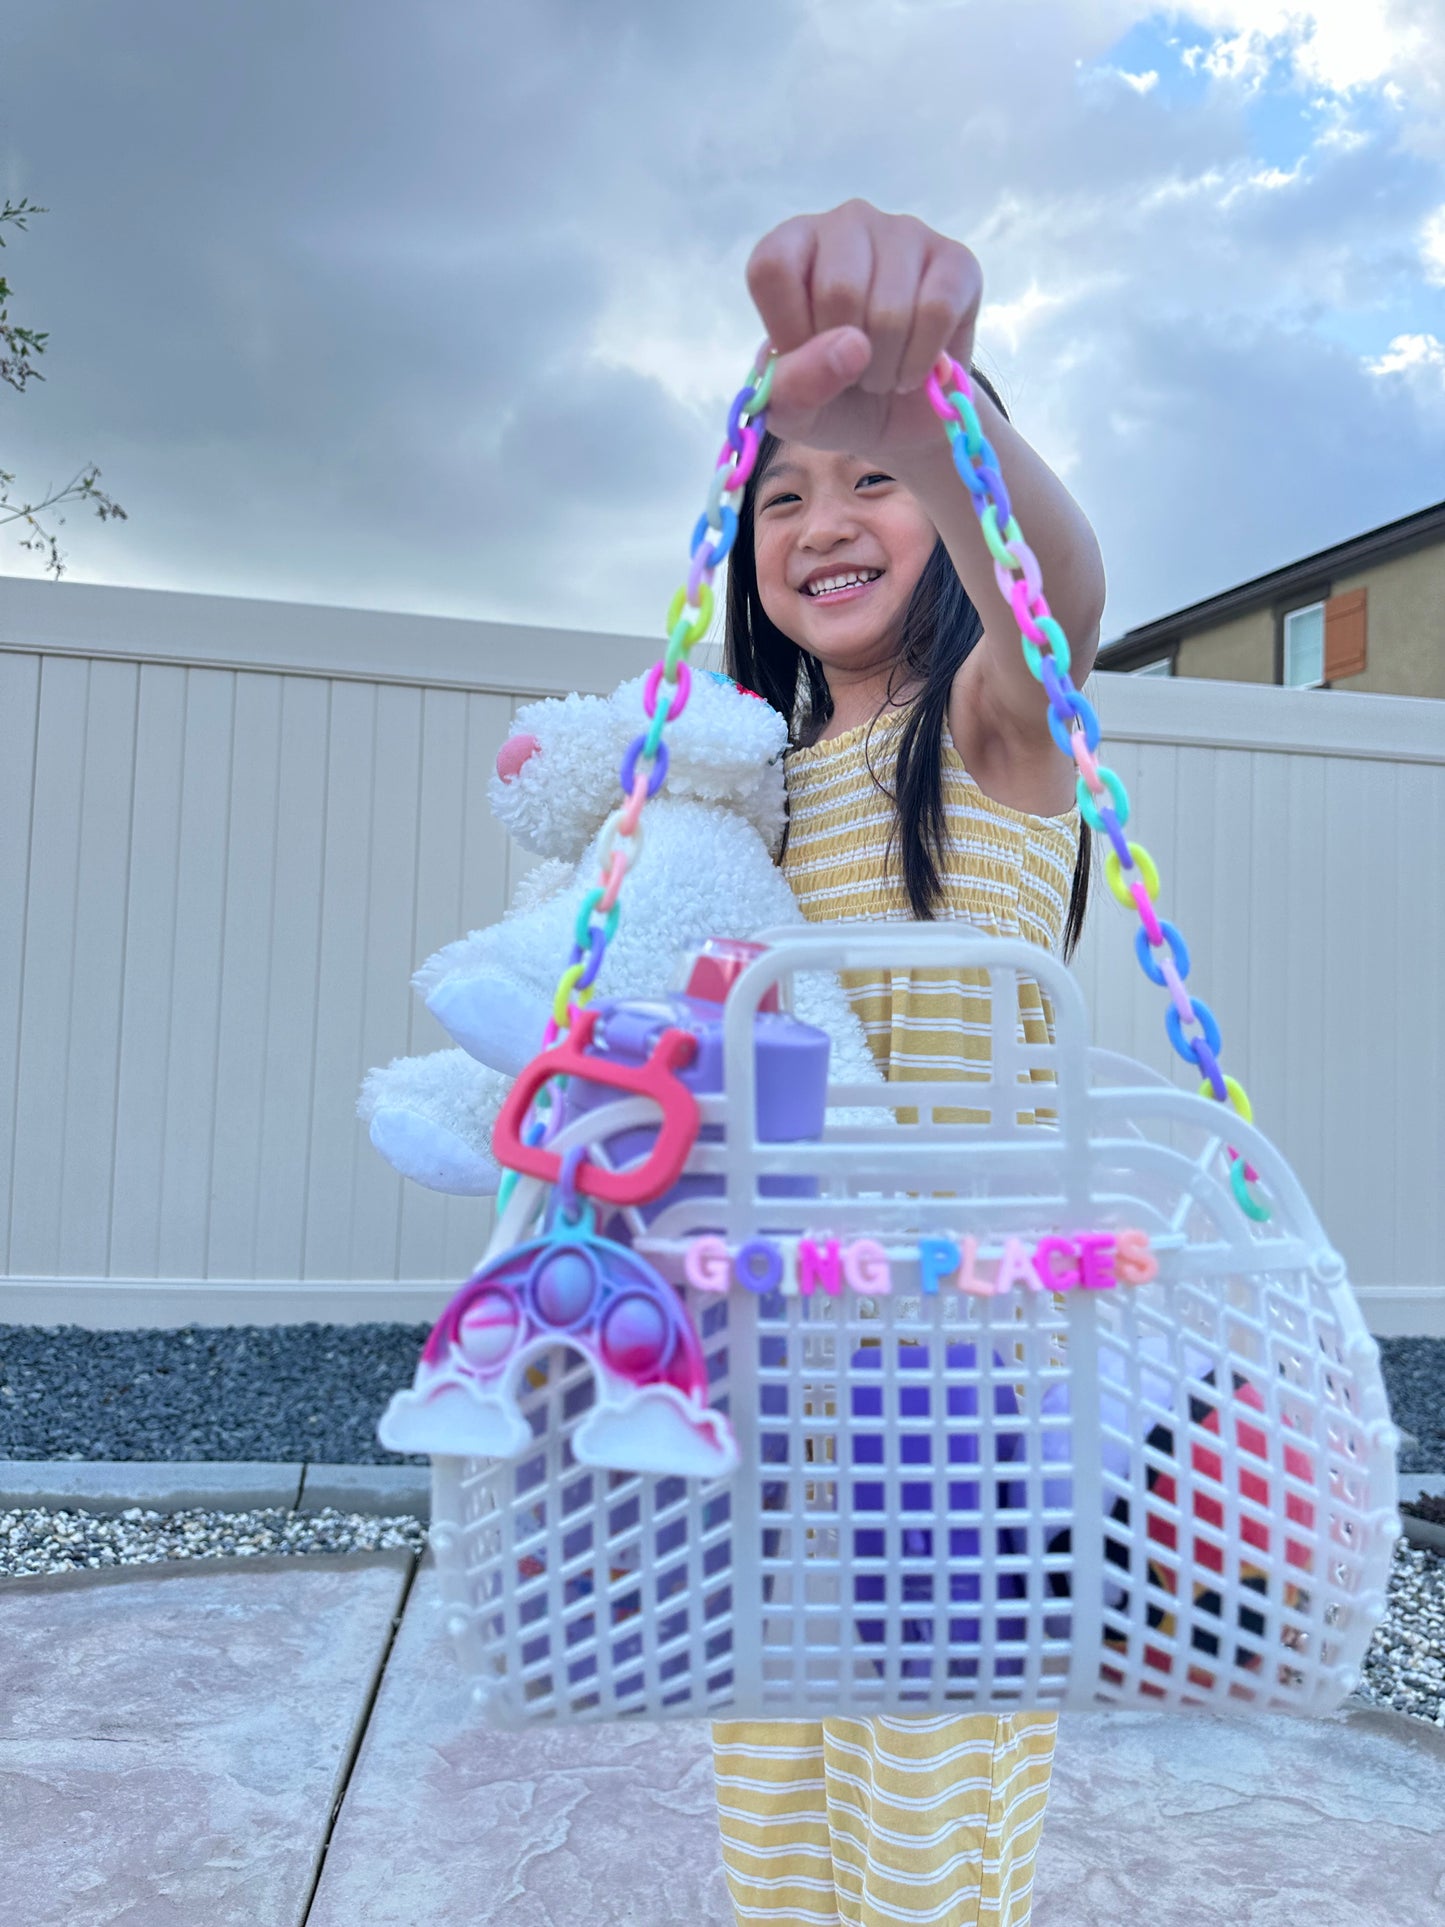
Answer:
(932, 1821)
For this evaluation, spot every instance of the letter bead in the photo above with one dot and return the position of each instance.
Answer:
(705, 1264)
(1096, 1254)
(865, 1265)
(937, 1258)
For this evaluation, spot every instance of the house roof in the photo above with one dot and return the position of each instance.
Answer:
(1314, 573)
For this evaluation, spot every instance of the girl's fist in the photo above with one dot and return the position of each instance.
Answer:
(859, 305)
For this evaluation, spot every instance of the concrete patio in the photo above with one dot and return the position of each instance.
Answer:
(261, 1742)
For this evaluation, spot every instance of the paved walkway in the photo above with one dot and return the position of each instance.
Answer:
(174, 1743)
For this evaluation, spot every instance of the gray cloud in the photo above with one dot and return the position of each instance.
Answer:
(1271, 475)
(439, 308)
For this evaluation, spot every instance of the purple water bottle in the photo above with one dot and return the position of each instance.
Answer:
(790, 1068)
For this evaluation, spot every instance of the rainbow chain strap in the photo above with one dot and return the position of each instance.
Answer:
(644, 767)
(1129, 870)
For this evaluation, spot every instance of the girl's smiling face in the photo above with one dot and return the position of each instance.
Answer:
(819, 516)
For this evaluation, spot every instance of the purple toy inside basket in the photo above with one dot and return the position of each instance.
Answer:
(874, 1521)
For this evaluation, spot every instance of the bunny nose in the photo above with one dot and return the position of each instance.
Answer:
(513, 753)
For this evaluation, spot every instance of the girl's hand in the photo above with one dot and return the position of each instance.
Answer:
(859, 306)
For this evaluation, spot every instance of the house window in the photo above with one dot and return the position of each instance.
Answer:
(1163, 666)
(1304, 647)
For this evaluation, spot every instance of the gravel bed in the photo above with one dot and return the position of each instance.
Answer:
(36, 1541)
(301, 1394)
(1405, 1665)
(312, 1394)
(1414, 1373)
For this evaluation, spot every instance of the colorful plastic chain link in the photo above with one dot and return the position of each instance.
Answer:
(1129, 870)
(664, 697)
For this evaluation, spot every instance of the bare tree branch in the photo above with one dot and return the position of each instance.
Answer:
(17, 345)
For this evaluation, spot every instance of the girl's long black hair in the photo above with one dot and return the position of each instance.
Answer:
(940, 628)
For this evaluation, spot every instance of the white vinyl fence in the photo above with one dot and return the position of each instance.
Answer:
(230, 830)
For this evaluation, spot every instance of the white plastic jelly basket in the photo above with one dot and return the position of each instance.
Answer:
(1180, 1494)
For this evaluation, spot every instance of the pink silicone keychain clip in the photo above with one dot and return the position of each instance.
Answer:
(656, 1079)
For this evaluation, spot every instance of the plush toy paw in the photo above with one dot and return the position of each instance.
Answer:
(496, 1021)
(430, 1154)
(431, 1118)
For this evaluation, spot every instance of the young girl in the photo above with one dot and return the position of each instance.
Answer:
(924, 782)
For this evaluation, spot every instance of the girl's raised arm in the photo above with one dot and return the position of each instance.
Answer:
(859, 305)
(998, 713)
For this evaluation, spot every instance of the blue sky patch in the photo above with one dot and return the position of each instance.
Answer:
(1283, 117)
(1157, 45)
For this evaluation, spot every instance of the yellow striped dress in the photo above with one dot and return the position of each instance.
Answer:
(932, 1821)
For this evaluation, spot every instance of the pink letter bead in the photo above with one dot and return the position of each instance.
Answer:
(706, 1264)
(865, 1265)
(1045, 1253)
(1096, 1251)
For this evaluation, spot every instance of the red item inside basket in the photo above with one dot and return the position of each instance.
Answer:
(719, 964)
(1253, 1487)
(1252, 1532)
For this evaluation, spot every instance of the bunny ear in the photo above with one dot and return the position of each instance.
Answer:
(725, 747)
(559, 796)
(723, 740)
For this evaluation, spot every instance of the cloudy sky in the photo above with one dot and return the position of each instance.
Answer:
(438, 307)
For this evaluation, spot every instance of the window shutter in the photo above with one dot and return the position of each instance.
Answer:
(1345, 635)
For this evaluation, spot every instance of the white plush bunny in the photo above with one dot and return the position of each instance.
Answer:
(704, 867)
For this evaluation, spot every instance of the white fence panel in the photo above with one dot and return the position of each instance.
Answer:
(1295, 835)
(217, 880)
(231, 831)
